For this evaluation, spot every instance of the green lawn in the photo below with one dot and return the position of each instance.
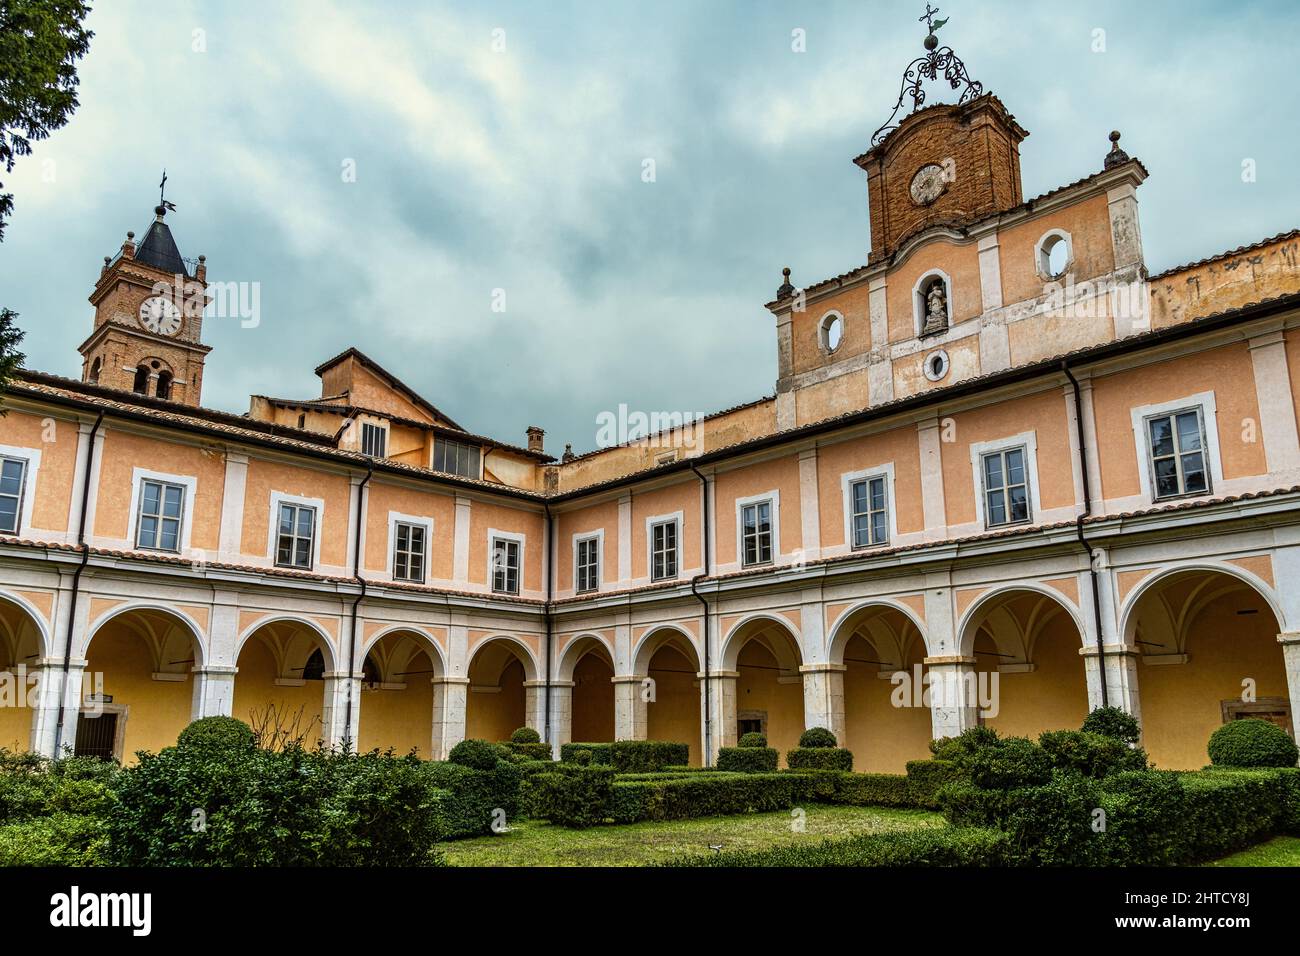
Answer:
(1280, 851)
(536, 843)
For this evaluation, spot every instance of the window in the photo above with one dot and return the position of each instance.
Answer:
(505, 566)
(588, 558)
(1006, 487)
(756, 533)
(164, 389)
(830, 331)
(408, 552)
(140, 385)
(158, 526)
(456, 458)
(94, 371)
(314, 669)
(663, 550)
(296, 538)
(374, 440)
(869, 501)
(1177, 443)
(1054, 254)
(13, 477)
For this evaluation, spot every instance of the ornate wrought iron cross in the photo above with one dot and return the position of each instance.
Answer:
(928, 67)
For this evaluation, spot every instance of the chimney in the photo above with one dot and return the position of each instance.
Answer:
(535, 437)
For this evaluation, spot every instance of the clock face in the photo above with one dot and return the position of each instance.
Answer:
(160, 315)
(927, 184)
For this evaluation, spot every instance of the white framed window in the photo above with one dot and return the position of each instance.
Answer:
(295, 540)
(374, 440)
(30, 460)
(505, 561)
(663, 536)
(586, 561)
(160, 516)
(456, 457)
(13, 490)
(830, 331)
(410, 546)
(1054, 255)
(757, 535)
(868, 510)
(161, 511)
(294, 557)
(1178, 447)
(1005, 477)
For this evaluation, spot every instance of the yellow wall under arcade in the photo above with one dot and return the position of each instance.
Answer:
(674, 714)
(882, 736)
(493, 715)
(593, 700)
(400, 719)
(255, 689)
(762, 688)
(157, 710)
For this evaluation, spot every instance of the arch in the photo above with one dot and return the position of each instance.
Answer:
(919, 290)
(969, 622)
(164, 387)
(578, 648)
(326, 642)
(1127, 620)
(843, 629)
(438, 656)
(1043, 250)
(824, 326)
(195, 632)
(140, 384)
(95, 367)
(45, 645)
(664, 635)
(748, 629)
(501, 669)
(518, 648)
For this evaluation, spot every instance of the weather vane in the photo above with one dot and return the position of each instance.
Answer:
(162, 189)
(936, 61)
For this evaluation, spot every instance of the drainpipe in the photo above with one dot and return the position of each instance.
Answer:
(708, 687)
(546, 614)
(1078, 529)
(76, 583)
(356, 573)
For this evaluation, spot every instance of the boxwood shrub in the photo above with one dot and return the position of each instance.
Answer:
(752, 739)
(858, 789)
(1252, 743)
(472, 797)
(930, 846)
(525, 735)
(817, 737)
(571, 795)
(1113, 722)
(521, 753)
(587, 753)
(819, 758)
(750, 759)
(217, 732)
(1091, 754)
(477, 754)
(926, 778)
(639, 756)
(689, 795)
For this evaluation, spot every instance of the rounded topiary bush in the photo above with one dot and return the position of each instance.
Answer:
(476, 754)
(817, 737)
(217, 733)
(1114, 723)
(753, 739)
(1014, 762)
(1252, 743)
(525, 735)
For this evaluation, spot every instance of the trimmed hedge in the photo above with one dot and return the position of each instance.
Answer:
(1091, 754)
(931, 846)
(642, 756)
(1113, 722)
(819, 758)
(747, 759)
(525, 735)
(477, 754)
(587, 753)
(571, 795)
(470, 798)
(1252, 743)
(752, 739)
(685, 796)
(528, 752)
(817, 737)
(927, 777)
(218, 733)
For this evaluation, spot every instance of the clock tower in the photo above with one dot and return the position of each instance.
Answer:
(149, 304)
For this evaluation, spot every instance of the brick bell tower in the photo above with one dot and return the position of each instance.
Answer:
(149, 304)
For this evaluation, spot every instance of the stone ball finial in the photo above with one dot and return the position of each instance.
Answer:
(130, 234)
(786, 288)
(1116, 156)
(931, 41)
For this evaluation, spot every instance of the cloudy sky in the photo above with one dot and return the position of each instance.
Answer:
(520, 169)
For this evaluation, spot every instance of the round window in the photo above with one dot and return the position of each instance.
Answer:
(937, 365)
(832, 331)
(1054, 256)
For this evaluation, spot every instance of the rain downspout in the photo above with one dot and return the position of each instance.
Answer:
(708, 683)
(356, 573)
(546, 614)
(76, 582)
(1078, 529)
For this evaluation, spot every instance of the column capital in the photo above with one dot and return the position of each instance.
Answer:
(1289, 637)
(948, 660)
(450, 680)
(822, 668)
(718, 675)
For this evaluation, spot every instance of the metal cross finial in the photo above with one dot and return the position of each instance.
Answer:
(927, 16)
(162, 187)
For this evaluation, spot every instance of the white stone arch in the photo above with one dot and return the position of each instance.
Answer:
(918, 298)
(966, 629)
(45, 642)
(842, 632)
(1128, 616)
(327, 648)
(664, 634)
(1042, 249)
(517, 647)
(422, 638)
(824, 327)
(578, 647)
(197, 638)
(743, 631)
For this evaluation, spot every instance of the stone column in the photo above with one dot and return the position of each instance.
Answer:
(535, 706)
(561, 716)
(449, 698)
(336, 729)
(823, 697)
(1121, 678)
(631, 707)
(952, 694)
(1291, 661)
(214, 691)
(718, 721)
(45, 707)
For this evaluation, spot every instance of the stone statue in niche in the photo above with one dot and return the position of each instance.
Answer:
(936, 308)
